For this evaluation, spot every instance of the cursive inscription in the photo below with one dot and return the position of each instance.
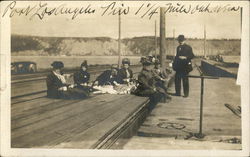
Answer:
(145, 9)
(42, 10)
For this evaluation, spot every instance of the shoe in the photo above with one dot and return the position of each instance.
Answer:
(185, 96)
(177, 94)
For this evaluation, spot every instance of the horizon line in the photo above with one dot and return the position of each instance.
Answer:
(122, 38)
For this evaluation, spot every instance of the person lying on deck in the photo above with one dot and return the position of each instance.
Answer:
(125, 73)
(57, 86)
(108, 77)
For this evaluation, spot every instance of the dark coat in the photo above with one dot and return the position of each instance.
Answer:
(146, 82)
(180, 65)
(123, 74)
(53, 84)
(146, 87)
(81, 77)
(105, 78)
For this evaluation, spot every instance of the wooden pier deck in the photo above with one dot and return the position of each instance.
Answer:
(89, 123)
(96, 122)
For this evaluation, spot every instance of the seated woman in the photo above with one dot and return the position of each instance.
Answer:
(108, 77)
(146, 80)
(125, 73)
(81, 78)
(57, 86)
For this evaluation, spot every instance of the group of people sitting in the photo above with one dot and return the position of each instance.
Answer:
(152, 80)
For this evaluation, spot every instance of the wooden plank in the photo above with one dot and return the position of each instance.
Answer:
(39, 120)
(27, 109)
(37, 117)
(28, 98)
(27, 87)
(69, 124)
(93, 135)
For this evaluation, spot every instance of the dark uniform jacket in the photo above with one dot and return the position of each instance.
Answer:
(81, 77)
(180, 65)
(123, 74)
(106, 79)
(53, 84)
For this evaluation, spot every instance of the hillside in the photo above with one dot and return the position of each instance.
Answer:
(96, 46)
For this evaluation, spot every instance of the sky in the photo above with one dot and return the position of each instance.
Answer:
(218, 25)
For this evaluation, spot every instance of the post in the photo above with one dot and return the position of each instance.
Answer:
(119, 41)
(241, 12)
(173, 42)
(162, 37)
(155, 41)
(205, 41)
(201, 106)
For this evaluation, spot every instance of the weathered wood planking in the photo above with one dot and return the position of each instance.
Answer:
(48, 114)
(32, 97)
(68, 120)
(23, 88)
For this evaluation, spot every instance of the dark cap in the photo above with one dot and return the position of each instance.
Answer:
(125, 61)
(57, 64)
(181, 38)
(147, 60)
(84, 63)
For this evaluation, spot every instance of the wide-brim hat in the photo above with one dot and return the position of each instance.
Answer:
(147, 60)
(57, 64)
(114, 67)
(181, 38)
(125, 61)
(84, 63)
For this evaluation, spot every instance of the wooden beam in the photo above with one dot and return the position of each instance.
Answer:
(155, 40)
(119, 41)
(173, 42)
(205, 36)
(162, 37)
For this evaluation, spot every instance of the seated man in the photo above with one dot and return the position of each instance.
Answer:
(108, 77)
(161, 77)
(81, 78)
(146, 80)
(125, 73)
(57, 86)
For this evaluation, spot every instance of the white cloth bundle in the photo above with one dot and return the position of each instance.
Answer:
(118, 89)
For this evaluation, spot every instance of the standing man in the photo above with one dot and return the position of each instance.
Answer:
(181, 65)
